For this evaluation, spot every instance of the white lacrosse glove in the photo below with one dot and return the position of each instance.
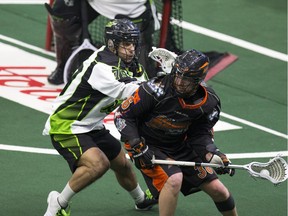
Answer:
(220, 158)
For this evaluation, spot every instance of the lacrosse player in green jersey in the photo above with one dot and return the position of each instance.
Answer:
(76, 126)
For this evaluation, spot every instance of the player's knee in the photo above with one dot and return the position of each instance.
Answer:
(121, 165)
(174, 182)
(124, 167)
(98, 169)
(95, 162)
(217, 190)
(226, 205)
(102, 164)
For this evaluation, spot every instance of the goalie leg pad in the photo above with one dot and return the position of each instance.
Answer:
(63, 9)
(69, 29)
(67, 35)
(226, 205)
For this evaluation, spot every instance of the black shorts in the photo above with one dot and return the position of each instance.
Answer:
(193, 177)
(72, 146)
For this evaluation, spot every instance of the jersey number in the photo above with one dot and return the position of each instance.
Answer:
(203, 171)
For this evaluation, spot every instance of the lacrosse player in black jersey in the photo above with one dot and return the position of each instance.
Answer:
(76, 124)
(172, 118)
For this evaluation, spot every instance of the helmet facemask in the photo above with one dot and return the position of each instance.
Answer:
(186, 86)
(121, 32)
(188, 72)
(126, 51)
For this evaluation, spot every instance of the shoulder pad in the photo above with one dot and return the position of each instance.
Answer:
(107, 57)
(155, 87)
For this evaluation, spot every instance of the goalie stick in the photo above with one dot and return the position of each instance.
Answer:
(83, 51)
(275, 170)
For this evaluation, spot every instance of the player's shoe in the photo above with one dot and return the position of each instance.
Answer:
(63, 212)
(148, 202)
(56, 77)
(54, 208)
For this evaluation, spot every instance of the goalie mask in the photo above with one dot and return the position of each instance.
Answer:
(121, 30)
(189, 70)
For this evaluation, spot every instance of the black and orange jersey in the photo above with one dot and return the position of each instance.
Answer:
(156, 113)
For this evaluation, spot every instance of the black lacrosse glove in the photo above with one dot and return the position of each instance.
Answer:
(140, 154)
(127, 79)
(220, 158)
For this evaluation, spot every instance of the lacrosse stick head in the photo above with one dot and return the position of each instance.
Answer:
(164, 57)
(276, 170)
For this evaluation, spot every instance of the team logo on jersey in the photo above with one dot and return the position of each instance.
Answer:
(156, 88)
(213, 115)
(120, 124)
(169, 125)
(120, 73)
(182, 114)
(126, 104)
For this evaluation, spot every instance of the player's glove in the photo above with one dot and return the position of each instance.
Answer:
(220, 158)
(140, 154)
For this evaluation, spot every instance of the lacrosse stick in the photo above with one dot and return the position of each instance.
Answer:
(164, 57)
(276, 170)
(80, 54)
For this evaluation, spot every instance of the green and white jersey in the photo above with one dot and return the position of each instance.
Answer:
(94, 92)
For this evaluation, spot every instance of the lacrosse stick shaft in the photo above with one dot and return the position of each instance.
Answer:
(85, 32)
(276, 170)
(188, 163)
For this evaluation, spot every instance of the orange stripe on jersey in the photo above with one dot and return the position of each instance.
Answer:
(126, 104)
(158, 176)
(194, 106)
(136, 96)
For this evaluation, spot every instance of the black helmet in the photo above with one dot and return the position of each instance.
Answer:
(121, 30)
(189, 70)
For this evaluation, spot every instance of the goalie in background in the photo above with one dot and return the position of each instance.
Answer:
(172, 118)
(76, 124)
(66, 25)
